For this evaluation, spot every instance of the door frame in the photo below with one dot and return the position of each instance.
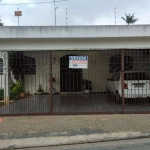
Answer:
(80, 70)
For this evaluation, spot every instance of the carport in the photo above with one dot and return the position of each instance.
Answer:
(40, 57)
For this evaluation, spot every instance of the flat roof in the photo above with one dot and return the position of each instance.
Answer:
(104, 31)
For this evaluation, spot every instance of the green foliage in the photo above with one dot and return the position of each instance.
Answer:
(1, 24)
(12, 85)
(40, 88)
(1, 94)
(130, 19)
(16, 90)
(1, 104)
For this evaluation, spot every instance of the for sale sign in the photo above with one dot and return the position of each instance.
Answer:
(80, 62)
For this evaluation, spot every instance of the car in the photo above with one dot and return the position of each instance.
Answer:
(136, 85)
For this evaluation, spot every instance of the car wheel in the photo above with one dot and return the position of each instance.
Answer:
(118, 99)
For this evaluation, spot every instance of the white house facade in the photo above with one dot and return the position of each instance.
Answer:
(47, 50)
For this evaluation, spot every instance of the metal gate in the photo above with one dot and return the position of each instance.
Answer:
(25, 83)
(137, 82)
(43, 83)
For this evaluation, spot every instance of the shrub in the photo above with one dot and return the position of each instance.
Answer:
(40, 90)
(16, 90)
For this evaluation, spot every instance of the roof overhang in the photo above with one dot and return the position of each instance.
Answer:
(112, 31)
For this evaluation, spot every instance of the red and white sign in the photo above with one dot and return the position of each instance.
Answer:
(79, 62)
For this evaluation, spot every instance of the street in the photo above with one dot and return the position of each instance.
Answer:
(136, 144)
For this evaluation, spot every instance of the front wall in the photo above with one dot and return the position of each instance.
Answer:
(97, 72)
(42, 72)
(98, 69)
(74, 44)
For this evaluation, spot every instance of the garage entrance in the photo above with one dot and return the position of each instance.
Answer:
(87, 90)
(114, 81)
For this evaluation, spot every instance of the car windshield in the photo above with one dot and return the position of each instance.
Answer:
(136, 76)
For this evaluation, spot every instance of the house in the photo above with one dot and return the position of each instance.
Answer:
(43, 52)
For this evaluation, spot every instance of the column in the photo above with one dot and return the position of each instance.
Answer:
(6, 77)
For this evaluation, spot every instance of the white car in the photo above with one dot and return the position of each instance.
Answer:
(136, 85)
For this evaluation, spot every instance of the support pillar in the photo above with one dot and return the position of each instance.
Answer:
(51, 82)
(6, 78)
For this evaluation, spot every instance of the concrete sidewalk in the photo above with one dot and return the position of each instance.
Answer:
(77, 129)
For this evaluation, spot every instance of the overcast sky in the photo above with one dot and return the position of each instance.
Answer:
(80, 12)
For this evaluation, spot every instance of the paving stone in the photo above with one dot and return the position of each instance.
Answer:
(72, 125)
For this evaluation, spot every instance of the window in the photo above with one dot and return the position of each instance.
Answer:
(21, 64)
(115, 63)
(136, 76)
(29, 65)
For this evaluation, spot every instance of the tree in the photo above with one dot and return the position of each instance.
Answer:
(130, 19)
(1, 24)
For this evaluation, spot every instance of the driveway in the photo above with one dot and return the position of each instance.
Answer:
(71, 103)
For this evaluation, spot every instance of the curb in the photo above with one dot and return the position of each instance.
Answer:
(67, 140)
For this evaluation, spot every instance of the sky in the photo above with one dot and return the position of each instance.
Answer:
(79, 12)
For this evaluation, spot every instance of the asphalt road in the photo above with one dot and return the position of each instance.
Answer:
(136, 144)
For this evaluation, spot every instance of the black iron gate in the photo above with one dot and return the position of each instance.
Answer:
(42, 82)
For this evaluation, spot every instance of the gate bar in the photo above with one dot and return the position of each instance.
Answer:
(122, 80)
(51, 83)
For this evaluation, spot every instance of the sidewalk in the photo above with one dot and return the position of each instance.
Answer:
(70, 126)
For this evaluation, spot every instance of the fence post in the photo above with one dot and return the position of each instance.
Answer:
(51, 83)
(122, 80)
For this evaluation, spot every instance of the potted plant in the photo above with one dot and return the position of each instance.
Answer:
(40, 90)
(28, 93)
(86, 86)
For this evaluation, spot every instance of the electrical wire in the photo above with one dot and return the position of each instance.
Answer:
(33, 3)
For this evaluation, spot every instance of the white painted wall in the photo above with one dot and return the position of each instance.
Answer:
(75, 38)
(4, 79)
(42, 72)
(98, 69)
(97, 72)
(102, 31)
(74, 44)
